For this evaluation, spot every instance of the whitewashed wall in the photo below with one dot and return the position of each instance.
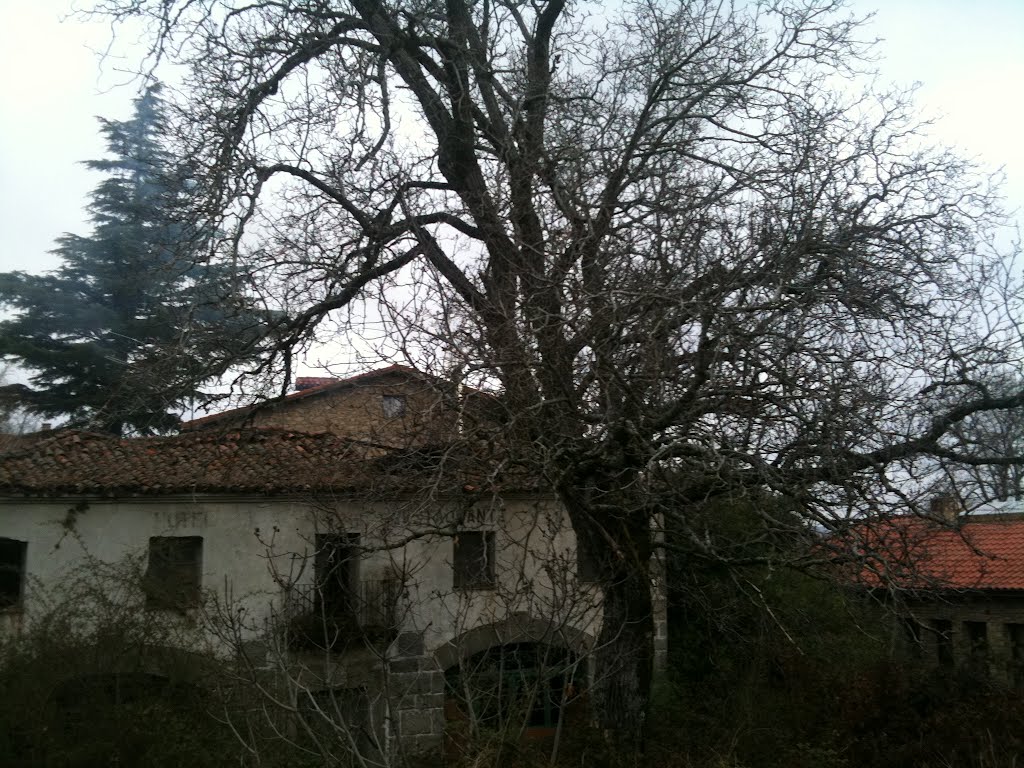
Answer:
(252, 547)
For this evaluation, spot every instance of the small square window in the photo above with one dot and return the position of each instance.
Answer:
(394, 406)
(174, 573)
(12, 573)
(474, 560)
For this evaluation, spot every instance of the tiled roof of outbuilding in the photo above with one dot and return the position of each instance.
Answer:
(983, 552)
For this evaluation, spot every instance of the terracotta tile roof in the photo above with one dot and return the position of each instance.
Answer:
(262, 461)
(309, 389)
(983, 552)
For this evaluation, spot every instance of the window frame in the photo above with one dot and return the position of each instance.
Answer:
(464, 576)
(398, 408)
(7, 604)
(161, 570)
(945, 654)
(336, 574)
(978, 645)
(1015, 640)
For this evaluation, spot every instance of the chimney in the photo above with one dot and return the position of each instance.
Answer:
(945, 508)
(302, 383)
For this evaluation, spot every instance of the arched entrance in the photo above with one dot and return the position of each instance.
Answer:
(514, 688)
(517, 680)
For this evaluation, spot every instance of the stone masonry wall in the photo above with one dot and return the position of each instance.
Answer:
(358, 412)
(416, 698)
(994, 611)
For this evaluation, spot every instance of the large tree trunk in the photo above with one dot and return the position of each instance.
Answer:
(621, 545)
(624, 658)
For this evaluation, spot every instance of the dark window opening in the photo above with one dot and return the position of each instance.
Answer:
(337, 574)
(473, 560)
(943, 631)
(1015, 633)
(520, 685)
(174, 572)
(12, 572)
(977, 639)
(912, 630)
(394, 406)
(977, 636)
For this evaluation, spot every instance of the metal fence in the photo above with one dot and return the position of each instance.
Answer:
(370, 604)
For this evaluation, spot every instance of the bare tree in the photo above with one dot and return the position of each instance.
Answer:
(693, 265)
(985, 449)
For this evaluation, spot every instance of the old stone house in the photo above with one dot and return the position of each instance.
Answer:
(385, 582)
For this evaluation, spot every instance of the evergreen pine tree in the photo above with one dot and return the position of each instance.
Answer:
(92, 331)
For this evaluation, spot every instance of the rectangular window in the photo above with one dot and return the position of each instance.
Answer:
(942, 630)
(1015, 634)
(337, 574)
(12, 573)
(977, 639)
(394, 406)
(174, 572)
(912, 633)
(473, 560)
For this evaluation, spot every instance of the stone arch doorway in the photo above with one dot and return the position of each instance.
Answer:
(519, 679)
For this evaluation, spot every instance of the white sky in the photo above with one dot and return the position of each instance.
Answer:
(968, 55)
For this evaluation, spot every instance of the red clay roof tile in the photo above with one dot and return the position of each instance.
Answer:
(986, 552)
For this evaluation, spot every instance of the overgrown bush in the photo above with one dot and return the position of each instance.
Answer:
(91, 678)
(769, 669)
(775, 669)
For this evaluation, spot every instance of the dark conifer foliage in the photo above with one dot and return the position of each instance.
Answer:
(140, 286)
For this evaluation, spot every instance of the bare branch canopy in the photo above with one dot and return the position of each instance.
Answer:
(695, 255)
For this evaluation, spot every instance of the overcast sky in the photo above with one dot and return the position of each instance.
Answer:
(968, 55)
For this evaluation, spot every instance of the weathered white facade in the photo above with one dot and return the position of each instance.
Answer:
(256, 548)
(361, 562)
(259, 565)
